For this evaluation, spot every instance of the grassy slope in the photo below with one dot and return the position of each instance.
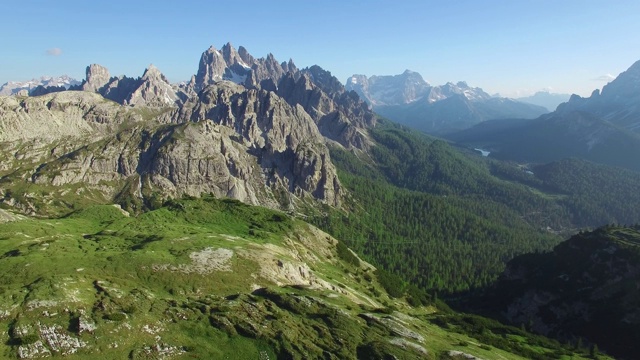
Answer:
(133, 278)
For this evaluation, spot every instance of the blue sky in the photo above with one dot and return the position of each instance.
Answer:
(512, 47)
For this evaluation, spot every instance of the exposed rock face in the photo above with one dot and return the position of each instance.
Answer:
(97, 76)
(154, 90)
(58, 116)
(239, 67)
(283, 137)
(211, 69)
(255, 130)
(247, 144)
(339, 115)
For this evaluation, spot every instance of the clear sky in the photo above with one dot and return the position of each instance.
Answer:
(511, 47)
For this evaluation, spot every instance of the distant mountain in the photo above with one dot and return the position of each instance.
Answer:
(585, 285)
(603, 128)
(411, 101)
(618, 103)
(152, 89)
(389, 90)
(13, 87)
(548, 100)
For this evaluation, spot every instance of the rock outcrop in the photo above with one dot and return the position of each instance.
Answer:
(239, 67)
(284, 138)
(154, 90)
(340, 115)
(97, 76)
(58, 116)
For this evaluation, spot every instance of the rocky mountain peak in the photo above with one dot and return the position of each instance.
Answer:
(618, 102)
(231, 56)
(290, 66)
(97, 76)
(211, 68)
(624, 87)
(389, 89)
(152, 73)
(245, 56)
(323, 79)
(153, 90)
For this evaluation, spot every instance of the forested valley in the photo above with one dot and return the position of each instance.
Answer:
(447, 220)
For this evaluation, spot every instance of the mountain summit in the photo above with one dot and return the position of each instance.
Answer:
(389, 90)
(617, 103)
(408, 99)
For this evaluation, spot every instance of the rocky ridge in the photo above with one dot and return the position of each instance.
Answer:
(617, 103)
(248, 143)
(151, 90)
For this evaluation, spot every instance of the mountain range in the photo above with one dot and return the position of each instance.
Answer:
(262, 142)
(601, 128)
(59, 83)
(409, 100)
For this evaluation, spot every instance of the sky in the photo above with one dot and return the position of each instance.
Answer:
(510, 47)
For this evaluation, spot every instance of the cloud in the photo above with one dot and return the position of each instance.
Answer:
(605, 77)
(54, 52)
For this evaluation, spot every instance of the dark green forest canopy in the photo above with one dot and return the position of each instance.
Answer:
(448, 220)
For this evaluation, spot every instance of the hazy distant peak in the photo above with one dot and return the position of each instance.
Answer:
(546, 99)
(13, 87)
(389, 89)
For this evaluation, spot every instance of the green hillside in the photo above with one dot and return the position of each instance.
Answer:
(207, 278)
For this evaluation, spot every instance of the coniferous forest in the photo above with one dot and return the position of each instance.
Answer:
(447, 220)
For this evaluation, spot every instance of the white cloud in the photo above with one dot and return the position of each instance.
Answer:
(605, 77)
(54, 51)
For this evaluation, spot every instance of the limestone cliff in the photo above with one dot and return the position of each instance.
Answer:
(152, 89)
(247, 144)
